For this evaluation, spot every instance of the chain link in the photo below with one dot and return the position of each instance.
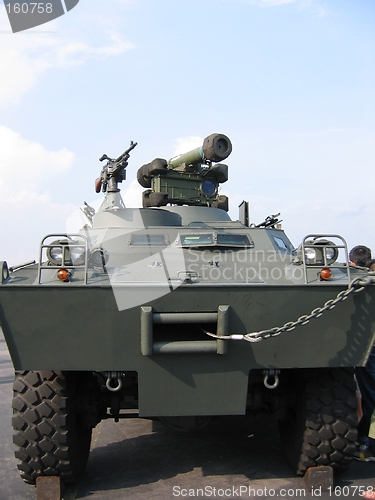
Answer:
(355, 286)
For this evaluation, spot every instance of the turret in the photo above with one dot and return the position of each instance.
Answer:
(190, 178)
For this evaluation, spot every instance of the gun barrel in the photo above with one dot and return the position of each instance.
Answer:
(126, 153)
(216, 147)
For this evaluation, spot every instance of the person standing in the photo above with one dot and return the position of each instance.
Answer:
(360, 256)
(365, 376)
(370, 493)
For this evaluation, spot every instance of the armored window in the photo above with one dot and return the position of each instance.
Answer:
(216, 239)
(280, 243)
(227, 239)
(196, 239)
(147, 240)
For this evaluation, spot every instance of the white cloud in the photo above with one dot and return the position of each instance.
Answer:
(23, 162)
(314, 6)
(29, 217)
(27, 177)
(19, 76)
(75, 53)
(323, 187)
(26, 56)
(133, 195)
(184, 144)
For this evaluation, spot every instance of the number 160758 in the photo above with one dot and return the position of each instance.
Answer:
(29, 8)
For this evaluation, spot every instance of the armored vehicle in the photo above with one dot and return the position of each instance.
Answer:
(176, 312)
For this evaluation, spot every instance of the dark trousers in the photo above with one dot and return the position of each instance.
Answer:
(366, 382)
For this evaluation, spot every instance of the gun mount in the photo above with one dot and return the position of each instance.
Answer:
(113, 172)
(111, 175)
(190, 178)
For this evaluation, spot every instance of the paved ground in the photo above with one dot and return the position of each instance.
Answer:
(232, 458)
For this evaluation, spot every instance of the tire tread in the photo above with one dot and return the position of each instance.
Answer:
(48, 439)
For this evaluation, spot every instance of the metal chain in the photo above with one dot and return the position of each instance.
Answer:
(355, 286)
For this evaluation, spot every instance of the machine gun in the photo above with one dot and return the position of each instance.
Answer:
(190, 178)
(113, 172)
(270, 221)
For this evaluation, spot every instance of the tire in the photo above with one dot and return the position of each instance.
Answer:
(321, 428)
(49, 436)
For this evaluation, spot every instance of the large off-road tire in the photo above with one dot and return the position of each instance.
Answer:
(50, 438)
(321, 425)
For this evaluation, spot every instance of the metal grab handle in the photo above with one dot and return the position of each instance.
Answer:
(149, 347)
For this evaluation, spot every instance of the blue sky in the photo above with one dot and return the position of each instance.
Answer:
(291, 82)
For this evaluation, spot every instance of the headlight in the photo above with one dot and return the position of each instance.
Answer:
(99, 258)
(310, 255)
(320, 252)
(331, 254)
(66, 252)
(78, 255)
(55, 253)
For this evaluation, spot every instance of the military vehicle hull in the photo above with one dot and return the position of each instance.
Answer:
(50, 328)
(180, 313)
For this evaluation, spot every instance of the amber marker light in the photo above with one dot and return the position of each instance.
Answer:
(63, 274)
(325, 273)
